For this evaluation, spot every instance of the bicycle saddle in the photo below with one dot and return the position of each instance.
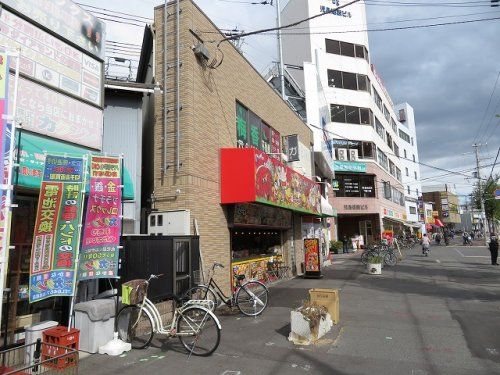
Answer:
(239, 277)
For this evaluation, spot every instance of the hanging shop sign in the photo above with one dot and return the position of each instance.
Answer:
(312, 257)
(391, 213)
(259, 215)
(51, 61)
(56, 238)
(292, 147)
(66, 19)
(250, 175)
(5, 134)
(31, 154)
(101, 233)
(349, 166)
(45, 111)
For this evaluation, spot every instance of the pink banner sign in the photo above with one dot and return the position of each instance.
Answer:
(101, 235)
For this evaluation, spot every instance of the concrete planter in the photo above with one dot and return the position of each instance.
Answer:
(374, 268)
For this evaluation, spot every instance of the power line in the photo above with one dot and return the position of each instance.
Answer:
(388, 28)
(495, 163)
(487, 107)
(115, 12)
(285, 26)
(122, 22)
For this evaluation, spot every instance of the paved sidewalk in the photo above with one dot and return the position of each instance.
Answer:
(435, 315)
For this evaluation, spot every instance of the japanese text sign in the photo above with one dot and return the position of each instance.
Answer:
(101, 235)
(56, 238)
(5, 134)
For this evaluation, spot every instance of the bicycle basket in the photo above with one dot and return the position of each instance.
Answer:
(134, 291)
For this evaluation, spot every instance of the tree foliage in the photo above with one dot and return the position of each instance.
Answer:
(491, 205)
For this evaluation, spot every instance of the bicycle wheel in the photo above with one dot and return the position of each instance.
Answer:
(134, 326)
(251, 298)
(202, 292)
(390, 258)
(198, 331)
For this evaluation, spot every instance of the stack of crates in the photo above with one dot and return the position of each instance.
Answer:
(57, 342)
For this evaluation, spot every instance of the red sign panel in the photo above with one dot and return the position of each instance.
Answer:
(250, 175)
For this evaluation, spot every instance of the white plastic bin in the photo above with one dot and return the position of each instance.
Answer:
(95, 320)
(34, 332)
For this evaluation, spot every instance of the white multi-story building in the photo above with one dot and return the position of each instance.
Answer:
(410, 166)
(351, 112)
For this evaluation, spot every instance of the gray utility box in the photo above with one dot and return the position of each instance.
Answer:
(95, 320)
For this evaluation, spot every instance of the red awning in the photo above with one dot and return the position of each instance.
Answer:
(438, 222)
(250, 175)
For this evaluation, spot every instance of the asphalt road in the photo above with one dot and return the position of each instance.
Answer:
(435, 315)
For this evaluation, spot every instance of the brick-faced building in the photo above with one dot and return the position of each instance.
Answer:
(218, 153)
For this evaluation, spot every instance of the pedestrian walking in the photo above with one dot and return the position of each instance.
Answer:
(345, 249)
(494, 250)
(426, 245)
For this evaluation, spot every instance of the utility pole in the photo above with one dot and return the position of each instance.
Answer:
(480, 186)
(280, 51)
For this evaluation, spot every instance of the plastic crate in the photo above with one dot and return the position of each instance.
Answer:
(65, 340)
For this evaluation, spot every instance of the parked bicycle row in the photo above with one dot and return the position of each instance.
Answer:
(194, 321)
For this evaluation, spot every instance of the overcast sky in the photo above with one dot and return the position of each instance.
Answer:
(447, 73)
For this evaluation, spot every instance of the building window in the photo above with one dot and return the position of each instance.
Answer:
(380, 128)
(404, 136)
(396, 149)
(386, 113)
(407, 173)
(363, 150)
(378, 99)
(382, 159)
(415, 175)
(405, 155)
(387, 190)
(414, 158)
(408, 189)
(347, 80)
(394, 126)
(412, 141)
(413, 210)
(389, 140)
(347, 49)
(350, 115)
(355, 185)
(398, 174)
(251, 131)
(417, 193)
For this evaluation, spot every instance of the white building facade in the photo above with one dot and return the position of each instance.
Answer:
(410, 166)
(351, 113)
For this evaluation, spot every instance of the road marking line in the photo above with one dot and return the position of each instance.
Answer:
(471, 256)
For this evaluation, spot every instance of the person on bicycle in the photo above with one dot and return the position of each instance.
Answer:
(426, 244)
(438, 239)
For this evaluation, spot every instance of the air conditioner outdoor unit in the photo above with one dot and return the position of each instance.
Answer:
(342, 153)
(353, 155)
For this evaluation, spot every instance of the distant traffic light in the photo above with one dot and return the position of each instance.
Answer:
(495, 3)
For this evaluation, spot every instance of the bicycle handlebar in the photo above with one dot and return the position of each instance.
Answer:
(153, 276)
(217, 265)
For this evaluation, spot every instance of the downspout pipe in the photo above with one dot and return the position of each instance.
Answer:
(177, 88)
(165, 111)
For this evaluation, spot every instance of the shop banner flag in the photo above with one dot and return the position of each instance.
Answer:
(5, 134)
(56, 238)
(101, 234)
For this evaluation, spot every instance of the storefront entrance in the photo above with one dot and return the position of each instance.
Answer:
(361, 230)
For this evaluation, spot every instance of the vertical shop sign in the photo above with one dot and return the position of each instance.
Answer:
(312, 257)
(254, 124)
(56, 238)
(266, 138)
(5, 134)
(101, 234)
(275, 144)
(292, 150)
(241, 126)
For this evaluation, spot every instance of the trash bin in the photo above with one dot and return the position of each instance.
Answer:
(34, 332)
(328, 298)
(95, 320)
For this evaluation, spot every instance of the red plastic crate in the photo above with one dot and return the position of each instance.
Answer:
(61, 337)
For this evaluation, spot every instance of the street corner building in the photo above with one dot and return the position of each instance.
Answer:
(216, 152)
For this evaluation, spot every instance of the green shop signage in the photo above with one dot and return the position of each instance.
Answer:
(32, 149)
(349, 166)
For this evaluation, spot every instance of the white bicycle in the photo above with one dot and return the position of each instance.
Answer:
(196, 326)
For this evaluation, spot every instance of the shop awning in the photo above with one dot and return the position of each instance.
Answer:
(32, 160)
(326, 208)
(398, 221)
(438, 222)
(412, 225)
(250, 175)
